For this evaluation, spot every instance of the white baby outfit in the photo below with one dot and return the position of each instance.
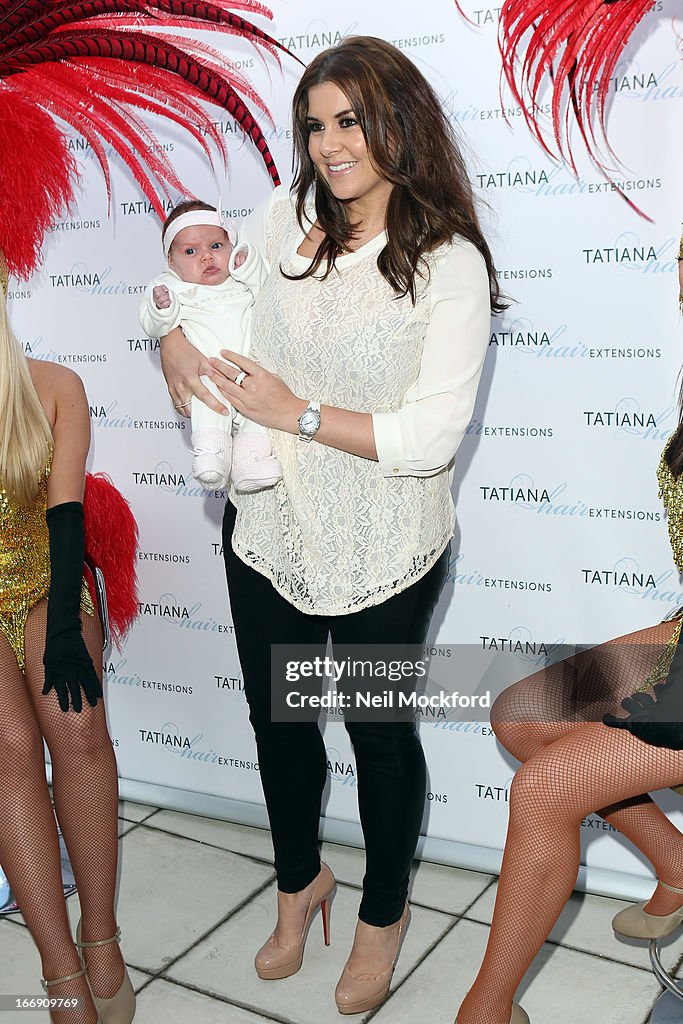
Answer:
(215, 317)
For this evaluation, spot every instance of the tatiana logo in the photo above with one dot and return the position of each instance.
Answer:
(521, 490)
(143, 344)
(519, 174)
(163, 477)
(519, 642)
(174, 612)
(523, 335)
(142, 206)
(317, 36)
(79, 277)
(484, 16)
(631, 81)
(626, 575)
(631, 252)
(168, 736)
(177, 613)
(233, 683)
(97, 411)
(499, 794)
(629, 418)
(339, 770)
(621, 254)
(165, 608)
(628, 77)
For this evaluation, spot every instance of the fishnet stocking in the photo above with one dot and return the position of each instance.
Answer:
(86, 799)
(573, 764)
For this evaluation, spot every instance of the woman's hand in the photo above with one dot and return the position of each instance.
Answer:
(182, 365)
(265, 398)
(260, 396)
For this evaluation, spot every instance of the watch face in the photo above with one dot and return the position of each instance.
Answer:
(309, 421)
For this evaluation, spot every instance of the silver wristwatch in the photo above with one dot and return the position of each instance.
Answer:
(309, 421)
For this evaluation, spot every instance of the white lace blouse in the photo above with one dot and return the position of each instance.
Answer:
(340, 533)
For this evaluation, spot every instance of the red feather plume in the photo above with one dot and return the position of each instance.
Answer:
(577, 43)
(111, 544)
(27, 133)
(99, 65)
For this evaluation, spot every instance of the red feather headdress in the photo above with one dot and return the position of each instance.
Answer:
(98, 65)
(577, 43)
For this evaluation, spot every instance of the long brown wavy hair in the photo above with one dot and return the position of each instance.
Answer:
(411, 144)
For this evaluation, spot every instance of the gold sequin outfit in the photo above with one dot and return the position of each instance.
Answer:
(25, 564)
(671, 493)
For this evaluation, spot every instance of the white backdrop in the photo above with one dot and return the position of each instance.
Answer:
(553, 495)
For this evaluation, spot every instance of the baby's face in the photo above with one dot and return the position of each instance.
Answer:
(200, 255)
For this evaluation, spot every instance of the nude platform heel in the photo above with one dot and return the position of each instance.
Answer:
(275, 962)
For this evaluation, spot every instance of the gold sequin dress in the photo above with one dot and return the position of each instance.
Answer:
(671, 493)
(25, 564)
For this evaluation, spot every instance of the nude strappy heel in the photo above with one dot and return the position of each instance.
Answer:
(120, 1008)
(47, 985)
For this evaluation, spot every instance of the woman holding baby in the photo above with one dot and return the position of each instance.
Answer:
(368, 339)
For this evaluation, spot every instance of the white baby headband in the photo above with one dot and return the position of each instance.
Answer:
(198, 218)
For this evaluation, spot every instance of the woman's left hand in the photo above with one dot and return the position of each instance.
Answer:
(261, 396)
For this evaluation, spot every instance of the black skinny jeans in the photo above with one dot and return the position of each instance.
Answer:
(390, 764)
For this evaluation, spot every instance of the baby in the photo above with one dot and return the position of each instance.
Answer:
(209, 291)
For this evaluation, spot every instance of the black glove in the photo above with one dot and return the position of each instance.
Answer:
(68, 666)
(659, 720)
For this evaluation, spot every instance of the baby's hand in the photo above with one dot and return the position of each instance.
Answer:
(161, 296)
(241, 256)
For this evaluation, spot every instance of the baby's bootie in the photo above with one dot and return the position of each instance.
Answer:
(254, 467)
(212, 450)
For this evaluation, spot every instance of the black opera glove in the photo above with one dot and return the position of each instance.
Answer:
(659, 720)
(68, 665)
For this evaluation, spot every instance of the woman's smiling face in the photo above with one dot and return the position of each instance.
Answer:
(338, 149)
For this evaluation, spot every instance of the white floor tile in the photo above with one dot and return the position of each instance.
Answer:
(586, 923)
(562, 987)
(138, 978)
(163, 1001)
(135, 812)
(223, 963)
(252, 842)
(174, 890)
(446, 888)
(20, 974)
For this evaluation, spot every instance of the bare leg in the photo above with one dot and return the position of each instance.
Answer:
(85, 791)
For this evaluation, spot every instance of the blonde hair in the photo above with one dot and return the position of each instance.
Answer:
(25, 435)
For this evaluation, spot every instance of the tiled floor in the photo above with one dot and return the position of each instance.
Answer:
(197, 899)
